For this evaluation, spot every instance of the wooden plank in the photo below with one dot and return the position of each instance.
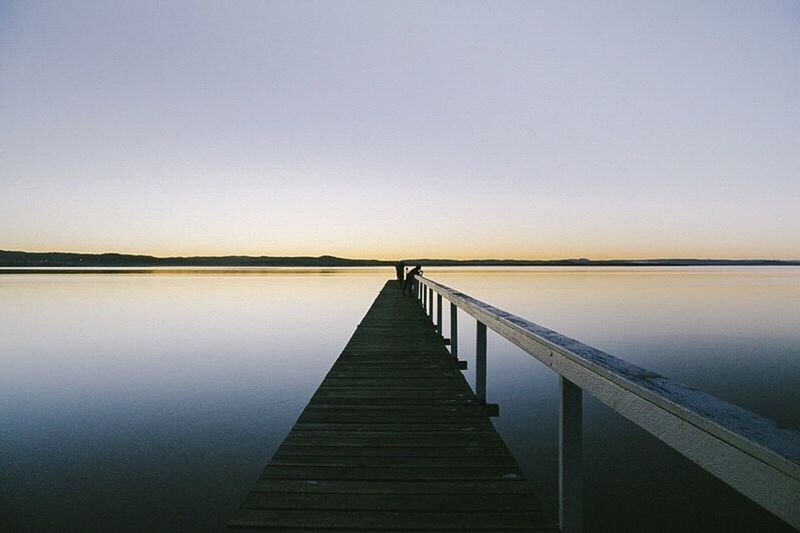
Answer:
(419, 440)
(395, 374)
(379, 502)
(433, 383)
(393, 488)
(349, 411)
(396, 394)
(454, 428)
(395, 402)
(408, 417)
(405, 416)
(421, 520)
(393, 438)
(386, 473)
(391, 451)
(397, 461)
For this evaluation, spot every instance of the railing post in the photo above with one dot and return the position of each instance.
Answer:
(480, 362)
(453, 329)
(430, 303)
(439, 313)
(569, 453)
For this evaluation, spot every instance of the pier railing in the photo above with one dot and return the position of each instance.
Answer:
(748, 452)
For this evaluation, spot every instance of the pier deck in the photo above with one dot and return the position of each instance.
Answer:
(393, 438)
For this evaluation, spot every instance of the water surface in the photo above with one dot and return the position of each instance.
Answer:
(152, 400)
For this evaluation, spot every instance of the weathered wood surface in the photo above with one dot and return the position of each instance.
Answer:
(394, 438)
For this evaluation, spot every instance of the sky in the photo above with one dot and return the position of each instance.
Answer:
(536, 130)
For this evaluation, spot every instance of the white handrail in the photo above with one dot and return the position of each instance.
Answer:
(747, 451)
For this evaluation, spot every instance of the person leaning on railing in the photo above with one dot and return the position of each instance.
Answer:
(410, 281)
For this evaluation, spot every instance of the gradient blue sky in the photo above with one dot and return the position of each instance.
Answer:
(402, 129)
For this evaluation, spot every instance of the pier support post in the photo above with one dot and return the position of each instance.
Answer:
(569, 452)
(480, 362)
(439, 313)
(453, 330)
(430, 303)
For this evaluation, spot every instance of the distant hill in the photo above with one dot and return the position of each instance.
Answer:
(66, 259)
(10, 258)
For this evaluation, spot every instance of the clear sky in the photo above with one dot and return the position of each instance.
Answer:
(402, 129)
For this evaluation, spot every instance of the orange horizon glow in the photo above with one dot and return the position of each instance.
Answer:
(411, 254)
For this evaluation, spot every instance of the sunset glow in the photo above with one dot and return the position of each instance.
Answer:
(461, 130)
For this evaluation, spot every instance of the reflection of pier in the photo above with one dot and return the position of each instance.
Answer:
(394, 438)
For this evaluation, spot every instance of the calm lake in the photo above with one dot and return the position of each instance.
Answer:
(151, 401)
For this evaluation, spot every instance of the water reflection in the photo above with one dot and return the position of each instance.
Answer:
(165, 393)
(168, 392)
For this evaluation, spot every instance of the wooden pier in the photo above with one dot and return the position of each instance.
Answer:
(394, 438)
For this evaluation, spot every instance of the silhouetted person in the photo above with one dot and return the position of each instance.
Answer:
(410, 282)
(400, 269)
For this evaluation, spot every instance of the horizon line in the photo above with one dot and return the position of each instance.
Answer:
(395, 260)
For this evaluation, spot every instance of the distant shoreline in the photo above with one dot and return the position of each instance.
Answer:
(18, 259)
